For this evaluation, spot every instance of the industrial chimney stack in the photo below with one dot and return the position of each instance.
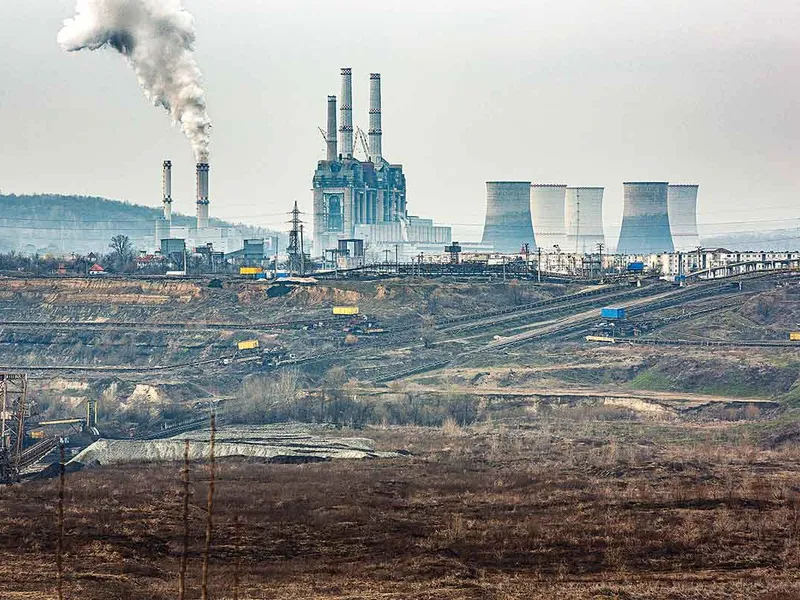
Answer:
(375, 133)
(202, 195)
(331, 139)
(346, 129)
(166, 188)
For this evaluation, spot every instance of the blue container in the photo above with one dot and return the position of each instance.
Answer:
(612, 313)
(637, 267)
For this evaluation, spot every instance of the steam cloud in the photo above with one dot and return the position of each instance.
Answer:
(157, 38)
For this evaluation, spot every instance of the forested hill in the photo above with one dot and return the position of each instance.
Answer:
(774, 239)
(50, 223)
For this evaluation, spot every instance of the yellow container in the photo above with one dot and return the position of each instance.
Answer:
(37, 435)
(345, 310)
(247, 345)
(794, 336)
(600, 338)
(250, 270)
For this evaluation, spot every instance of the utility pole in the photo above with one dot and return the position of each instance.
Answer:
(600, 247)
(539, 265)
(397, 259)
(578, 219)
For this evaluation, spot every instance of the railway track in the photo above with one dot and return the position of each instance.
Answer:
(553, 310)
(576, 324)
(706, 343)
(130, 325)
(110, 368)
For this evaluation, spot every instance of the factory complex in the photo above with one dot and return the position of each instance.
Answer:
(364, 199)
(362, 215)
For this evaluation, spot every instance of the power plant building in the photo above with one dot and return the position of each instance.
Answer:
(583, 219)
(508, 226)
(682, 204)
(645, 220)
(547, 212)
(363, 199)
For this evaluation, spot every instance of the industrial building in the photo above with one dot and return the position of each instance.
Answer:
(364, 199)
(547, 212)
(583, 219)
(508, 226)
(222, 239)
(682, 204)
(645, 219)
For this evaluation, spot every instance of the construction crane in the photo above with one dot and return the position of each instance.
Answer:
(362, 140)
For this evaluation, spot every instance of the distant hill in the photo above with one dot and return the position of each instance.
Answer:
(774, 239)
(50, 223)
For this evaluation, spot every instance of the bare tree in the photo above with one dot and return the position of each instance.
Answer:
(121, 251)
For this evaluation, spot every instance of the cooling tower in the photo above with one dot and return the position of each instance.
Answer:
(202, 195)
(682, 203)
(508, 216)
(583, 219)
(645, 221)
(547, 211)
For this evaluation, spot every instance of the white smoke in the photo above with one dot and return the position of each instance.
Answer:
(157, 38)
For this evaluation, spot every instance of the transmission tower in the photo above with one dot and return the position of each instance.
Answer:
(295, 249)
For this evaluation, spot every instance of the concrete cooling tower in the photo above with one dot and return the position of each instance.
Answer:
(682, 203)
(645, 219)
(508, 216)
(583, 219)
(547, 211)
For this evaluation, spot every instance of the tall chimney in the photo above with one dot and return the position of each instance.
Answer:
(375, 150)
(166, 188)
(333, 154)
(202, 195)
(346, 129)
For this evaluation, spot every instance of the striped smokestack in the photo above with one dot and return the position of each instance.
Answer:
(202, 195)
(346, 110)
(375, 133)
(331, 139)
(166, 188)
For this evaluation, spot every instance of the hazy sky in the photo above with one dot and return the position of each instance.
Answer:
(584, 92)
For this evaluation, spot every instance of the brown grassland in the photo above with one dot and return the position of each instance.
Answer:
(566, 507)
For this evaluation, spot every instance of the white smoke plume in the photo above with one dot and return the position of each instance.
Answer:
(157, 38)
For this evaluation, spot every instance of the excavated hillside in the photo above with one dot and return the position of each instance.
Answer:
(146, 323)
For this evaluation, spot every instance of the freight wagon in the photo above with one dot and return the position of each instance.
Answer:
(612, 313)
(247, 345)
(345, 310)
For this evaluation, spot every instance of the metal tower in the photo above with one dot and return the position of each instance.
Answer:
(14, 410)
(295, 249)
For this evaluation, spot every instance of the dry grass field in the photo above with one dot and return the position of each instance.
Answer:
(573, 507)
